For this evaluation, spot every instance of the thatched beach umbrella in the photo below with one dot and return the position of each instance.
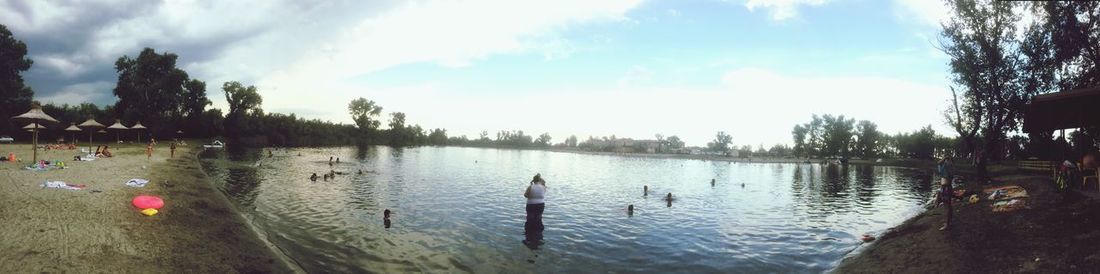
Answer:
(34, 116)
(72, 129)
(90, 125)
(138, 127)
(118, 127)
(33, 129)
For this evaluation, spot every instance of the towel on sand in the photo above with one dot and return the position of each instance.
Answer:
(137, 182)
(1006, 192)
(62, 185)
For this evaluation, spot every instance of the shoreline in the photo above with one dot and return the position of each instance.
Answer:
(95, 229)
(1054, 234)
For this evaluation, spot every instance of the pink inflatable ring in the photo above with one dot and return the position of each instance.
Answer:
(146, 201)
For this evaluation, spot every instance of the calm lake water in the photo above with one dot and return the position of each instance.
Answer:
(462, 210)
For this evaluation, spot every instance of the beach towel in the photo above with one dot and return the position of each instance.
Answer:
(1005, 192)
(137, 182)
(62, 185)
(1009, 205)
(86, 158)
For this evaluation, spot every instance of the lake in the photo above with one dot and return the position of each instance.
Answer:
(462, 210)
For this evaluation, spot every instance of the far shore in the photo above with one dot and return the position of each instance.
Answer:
(96, 229)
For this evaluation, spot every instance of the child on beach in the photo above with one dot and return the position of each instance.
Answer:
(149, 150)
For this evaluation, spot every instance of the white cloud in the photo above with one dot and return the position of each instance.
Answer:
(80, 93)
(446, 33)
(781, 9)
(636, 75)
(925, 12)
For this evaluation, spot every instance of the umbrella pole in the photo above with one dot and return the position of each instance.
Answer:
(34, 146)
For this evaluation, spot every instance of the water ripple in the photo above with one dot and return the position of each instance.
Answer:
(460, 210)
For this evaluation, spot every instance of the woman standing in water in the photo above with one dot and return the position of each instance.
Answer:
(535, 194)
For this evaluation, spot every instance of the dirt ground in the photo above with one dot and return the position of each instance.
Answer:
(97, 230)
(1057, 234)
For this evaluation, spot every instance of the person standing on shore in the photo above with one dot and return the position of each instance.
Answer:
(172, 150)
(535, 194)
(946, 192)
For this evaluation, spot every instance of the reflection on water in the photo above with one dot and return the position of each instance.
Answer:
(462, 210)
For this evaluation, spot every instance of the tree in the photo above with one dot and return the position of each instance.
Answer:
(244, 105)
(721, 143)
(571, 141)
(363, 111)
(438, 137)
(674, 142)
(661, 142)
(543, 140)
(242, 100)
(15, 97)
(980, 39)
(799, 135)
(836, 135)
(867, 138)
(195, 103)
(150, 88)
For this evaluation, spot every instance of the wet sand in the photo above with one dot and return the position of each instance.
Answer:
(96, 229)
(1054, 235)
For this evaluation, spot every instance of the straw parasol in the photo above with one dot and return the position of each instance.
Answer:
(72, 129)
(117, 127)
(90, 125)
(34, 116)
(138, 127)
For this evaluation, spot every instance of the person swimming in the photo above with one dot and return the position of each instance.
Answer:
(313, 177)
(337, 159)
(669, 197)
(645, 190)
(742, 185)
(711, 182)
(630, 210)
(360, 172)
(386, 217)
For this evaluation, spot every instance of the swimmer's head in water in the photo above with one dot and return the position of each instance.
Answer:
(386, 214)
(630, 208)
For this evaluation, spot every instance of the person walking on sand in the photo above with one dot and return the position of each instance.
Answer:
(946, 192)
(535, 194)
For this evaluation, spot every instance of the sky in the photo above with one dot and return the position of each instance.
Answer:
(628, 68)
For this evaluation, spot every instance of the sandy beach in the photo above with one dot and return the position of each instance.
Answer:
(96, 229)
(1053, 235)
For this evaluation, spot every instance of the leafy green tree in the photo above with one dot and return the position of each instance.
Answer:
(980, 39)
(438, 137)
(150, 88)
(674, 142)
(363, 112)
(836, 135)
(721, 143)
(195, 102)
(244, 110)
(799, 135)
(867, 138)
(543, 140)
(398, 134)
(242, 100)
(571, 141)
(15, 97)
